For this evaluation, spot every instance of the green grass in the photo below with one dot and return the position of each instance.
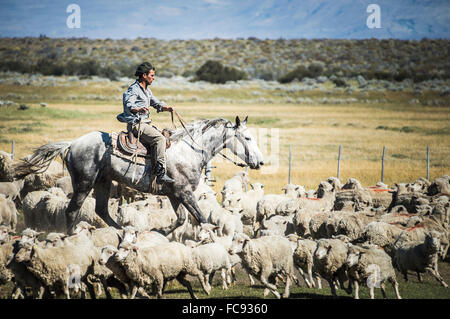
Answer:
(428, 289)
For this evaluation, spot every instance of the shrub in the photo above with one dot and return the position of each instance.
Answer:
(340, 83)
(314, 70)
(215, 72)
(299, 73)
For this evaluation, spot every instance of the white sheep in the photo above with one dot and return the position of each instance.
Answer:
(420, 256)
(229, 221)
(6, 167)
(48, 214)
(108, 258)
(207, 235)
(143, 239)
(5, 234)
(99, 236)
(276, 226)
(156, 265)
(267, 205)
(55, 240)
(265, 258)
(310, 207)
(11, 270)
(350, 224)
(329, 261)
(249, 201)
(440, 185)
(12, 190)
(210, 258)
(304, 261)
(6, 249)
(371, 266)
(50, 265)
(235, 184)
(382, 234)
(8, 212)
(324, 202)
(128, 215)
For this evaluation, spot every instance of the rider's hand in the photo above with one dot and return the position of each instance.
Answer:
(168, 109)
(143, 110)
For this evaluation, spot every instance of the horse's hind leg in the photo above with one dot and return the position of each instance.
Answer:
(102, 189)
(74, 207)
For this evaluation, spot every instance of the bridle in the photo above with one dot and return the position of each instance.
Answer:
(237, 134)
(241, 139)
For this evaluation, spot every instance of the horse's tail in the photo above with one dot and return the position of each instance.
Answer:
(40, 160)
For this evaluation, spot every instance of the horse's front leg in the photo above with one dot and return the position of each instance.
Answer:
(188, 200)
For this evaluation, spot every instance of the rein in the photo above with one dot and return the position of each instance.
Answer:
(225, 140)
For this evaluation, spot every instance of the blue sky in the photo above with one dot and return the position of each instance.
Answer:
(206, 19)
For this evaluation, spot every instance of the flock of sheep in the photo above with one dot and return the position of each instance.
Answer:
(347, 234)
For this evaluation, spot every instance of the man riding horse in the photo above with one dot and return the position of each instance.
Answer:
(136, 101)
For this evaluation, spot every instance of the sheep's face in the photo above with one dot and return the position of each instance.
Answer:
(322, 250)
(203, 235)
(83, 227)
(324, 188)
(106, 253)
(190, 243)
(352, 258)
(54, 240)
(124, 251)
(292, 190)
(235, 211)
(4, 234)
(28, 236)
(433, 239)
(238, 243)
(206, 231)
(230, 199)
(130, 234)
(25, 253)
(257, 186)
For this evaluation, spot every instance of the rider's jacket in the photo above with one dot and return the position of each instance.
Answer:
(136, 97)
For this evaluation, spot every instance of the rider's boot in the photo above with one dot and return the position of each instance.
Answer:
(161, 176)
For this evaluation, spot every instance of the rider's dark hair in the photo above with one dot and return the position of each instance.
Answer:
(143, 68)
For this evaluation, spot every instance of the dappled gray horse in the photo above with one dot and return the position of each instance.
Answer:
(92, 165)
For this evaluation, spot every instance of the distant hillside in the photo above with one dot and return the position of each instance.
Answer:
(259, 59)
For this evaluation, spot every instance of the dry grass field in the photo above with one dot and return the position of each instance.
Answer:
(315, 132)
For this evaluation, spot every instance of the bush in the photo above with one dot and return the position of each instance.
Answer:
(299, 73)
(215, 72)
(47, 66)
(314, 70)
(340, 83)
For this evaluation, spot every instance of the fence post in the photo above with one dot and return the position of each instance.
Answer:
(382, 164)
(290, 162)
(13, 146)
(339, 163)
(428, 163)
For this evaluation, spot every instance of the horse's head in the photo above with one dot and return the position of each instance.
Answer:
(242, 143)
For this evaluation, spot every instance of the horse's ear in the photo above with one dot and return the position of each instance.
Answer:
(238, 121)
(245, 121)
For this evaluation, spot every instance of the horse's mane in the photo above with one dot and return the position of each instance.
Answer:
(201, 125)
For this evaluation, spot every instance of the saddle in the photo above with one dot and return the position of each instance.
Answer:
(126, 144)
(129, 144)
